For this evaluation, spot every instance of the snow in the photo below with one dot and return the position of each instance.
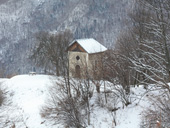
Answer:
(90, 45)
(129, 118)
(27, 95)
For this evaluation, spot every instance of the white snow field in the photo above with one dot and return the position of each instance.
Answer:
(26, 95)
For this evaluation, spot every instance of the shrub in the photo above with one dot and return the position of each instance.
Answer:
(100, 101)
(66, 110)
(111, 104)
(158, 114)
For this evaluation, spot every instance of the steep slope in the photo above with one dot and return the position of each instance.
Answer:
(21, 19)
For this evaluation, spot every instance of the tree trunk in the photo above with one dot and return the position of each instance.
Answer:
(105, 92)
(88, 106)
(57, 69)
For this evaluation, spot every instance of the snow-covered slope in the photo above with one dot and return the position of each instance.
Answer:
(26, 95)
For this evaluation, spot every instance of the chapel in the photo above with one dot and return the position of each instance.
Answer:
(85, 58)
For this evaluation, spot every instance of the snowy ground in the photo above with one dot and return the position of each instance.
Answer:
(26, 94)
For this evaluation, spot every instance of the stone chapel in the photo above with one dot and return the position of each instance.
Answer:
(85, 58)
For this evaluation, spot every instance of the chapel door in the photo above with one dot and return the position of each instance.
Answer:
(77, 68)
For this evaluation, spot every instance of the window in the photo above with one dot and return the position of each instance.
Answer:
(77, 58)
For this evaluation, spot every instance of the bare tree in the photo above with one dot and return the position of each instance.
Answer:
(50, 51)
(118, 71)
(153, 42)
(141, 54)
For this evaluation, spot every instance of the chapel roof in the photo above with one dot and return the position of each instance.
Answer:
(90, 45)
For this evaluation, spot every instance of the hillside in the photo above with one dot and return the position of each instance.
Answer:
(21, 19)
(26, 96)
